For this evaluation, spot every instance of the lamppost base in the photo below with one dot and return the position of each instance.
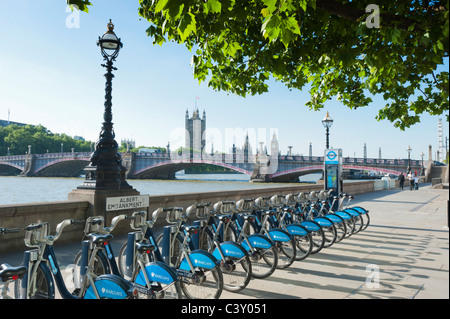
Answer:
(105, 178)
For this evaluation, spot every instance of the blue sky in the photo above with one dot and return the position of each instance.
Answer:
(50, 74)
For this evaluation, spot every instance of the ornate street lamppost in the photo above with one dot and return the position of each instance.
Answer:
(409, 149)
(105, 170)
(422, 171)
(327, 122)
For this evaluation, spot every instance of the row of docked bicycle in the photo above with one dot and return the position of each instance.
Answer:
(200, 252)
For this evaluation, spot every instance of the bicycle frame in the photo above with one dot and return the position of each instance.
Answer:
(222, 249)
(44, 258)
(155, 272)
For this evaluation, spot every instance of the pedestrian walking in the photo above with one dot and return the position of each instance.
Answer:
(401, 179)
(411, 181)
(416, 182)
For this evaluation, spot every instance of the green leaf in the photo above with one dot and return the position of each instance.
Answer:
(186, 26)
(271, 28)
(214, 6)
(160, 5)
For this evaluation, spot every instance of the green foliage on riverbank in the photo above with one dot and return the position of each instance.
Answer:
(15, 139)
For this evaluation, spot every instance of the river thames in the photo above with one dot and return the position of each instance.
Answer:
(18, 190)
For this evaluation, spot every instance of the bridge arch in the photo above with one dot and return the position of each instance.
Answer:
(65, 167)
(10, 169)
(167, 169)
(292, 175)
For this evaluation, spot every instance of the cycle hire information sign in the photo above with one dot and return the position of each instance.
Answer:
(127, 202)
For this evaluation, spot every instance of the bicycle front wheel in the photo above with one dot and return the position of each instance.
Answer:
(40, 286)
(202, 283)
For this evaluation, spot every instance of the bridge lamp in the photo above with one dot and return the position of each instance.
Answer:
(327, 122)
(409, 149)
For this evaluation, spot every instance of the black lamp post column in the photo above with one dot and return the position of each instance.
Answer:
(105, 170)
(327, 122)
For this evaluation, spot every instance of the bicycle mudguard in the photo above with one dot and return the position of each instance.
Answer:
(297, 230)
(352, 212)
(229, 249)
(344, 215)
(199, 258)
(157, 272)
(279, 235)
(359, 209)
(310, 225)
(258, 241)
(323, 221)
(334, 218)
(110, 287)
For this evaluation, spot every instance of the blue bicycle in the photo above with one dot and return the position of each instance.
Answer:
(8, 273)
(261, 249)
(283, 219)
(264, 224)
(199, 272)
(148, 275)
(42, 270)
(235, 261)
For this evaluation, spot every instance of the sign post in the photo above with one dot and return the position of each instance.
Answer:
(333, 172)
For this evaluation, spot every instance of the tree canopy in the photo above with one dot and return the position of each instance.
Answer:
(14, 140)
(343, 49)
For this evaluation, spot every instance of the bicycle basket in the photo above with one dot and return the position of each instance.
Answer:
(262, 202)
(35, 234)
(94, 224)
(139, 220)
(173, 214)
(277, 200)
(201, 210)
(245, 205)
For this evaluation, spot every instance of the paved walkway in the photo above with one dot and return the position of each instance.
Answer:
(403, 254)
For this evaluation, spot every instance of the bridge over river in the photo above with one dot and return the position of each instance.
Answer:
(164, 166)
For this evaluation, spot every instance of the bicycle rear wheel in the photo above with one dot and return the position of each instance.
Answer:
(236, 271)
(264, 261)
(203, 284)
(330, 234)
(286, 253)
(318, 239)
(304, 246)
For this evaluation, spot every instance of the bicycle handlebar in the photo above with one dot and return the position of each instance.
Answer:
(62, 225)
(9, 230)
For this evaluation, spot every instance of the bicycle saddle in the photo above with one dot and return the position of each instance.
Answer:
(268, 212)
(145, 247)
(7, 272)
(191, 229)
(100, 238)
(224, 218)
(248, 217)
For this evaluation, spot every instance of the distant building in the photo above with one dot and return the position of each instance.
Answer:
(131, 143)
(195, 129)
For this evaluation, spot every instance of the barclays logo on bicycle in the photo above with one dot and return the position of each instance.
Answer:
(203, 262)
(160, 277)
(113, 292)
